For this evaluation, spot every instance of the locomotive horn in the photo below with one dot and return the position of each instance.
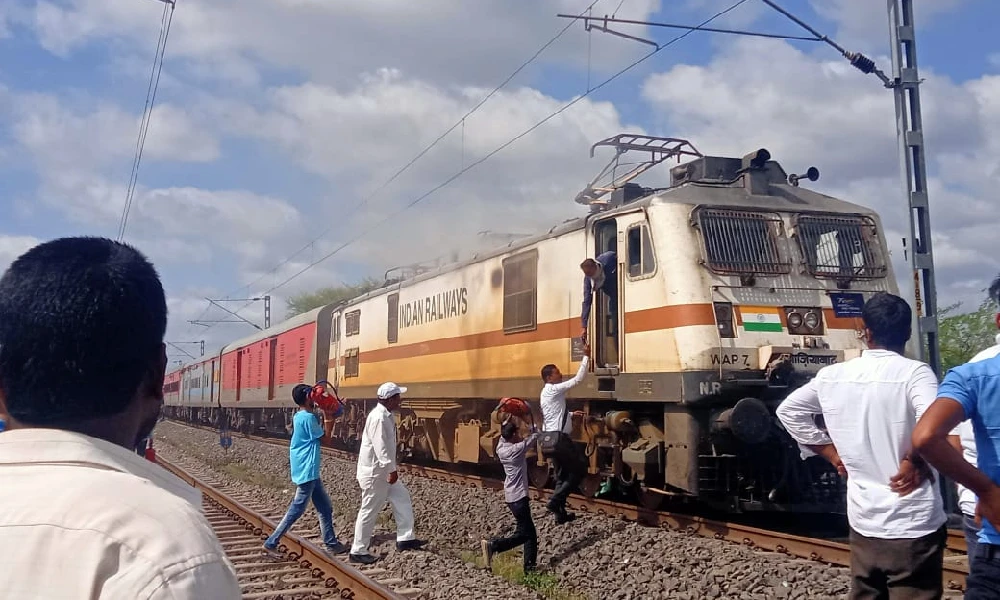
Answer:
(812, 174)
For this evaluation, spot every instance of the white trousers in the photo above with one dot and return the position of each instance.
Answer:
(374, 493)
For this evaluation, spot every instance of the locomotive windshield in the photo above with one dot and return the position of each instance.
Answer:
(742, 242)
(840, 246)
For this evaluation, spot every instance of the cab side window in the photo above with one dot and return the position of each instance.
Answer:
(641, 260)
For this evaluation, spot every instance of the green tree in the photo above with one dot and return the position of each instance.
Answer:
(331, 295)
(962, 335)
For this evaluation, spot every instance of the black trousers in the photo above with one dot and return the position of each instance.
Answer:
(570, 470)
(984, 573)
(899, 568)
(525, 533)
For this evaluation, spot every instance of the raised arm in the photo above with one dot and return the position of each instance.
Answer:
(580, 374)
(522, 446)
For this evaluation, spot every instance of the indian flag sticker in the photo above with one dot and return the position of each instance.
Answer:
(760, 318)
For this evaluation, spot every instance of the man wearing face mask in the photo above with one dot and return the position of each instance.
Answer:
(82, 362)
(379, 479)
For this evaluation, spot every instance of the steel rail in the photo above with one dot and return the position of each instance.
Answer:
(816, 549)
(336, 577)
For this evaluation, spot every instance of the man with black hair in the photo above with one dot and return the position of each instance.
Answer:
(566, 457)
(511, 451)
(304, 455)
(871, 405)
(82, 362)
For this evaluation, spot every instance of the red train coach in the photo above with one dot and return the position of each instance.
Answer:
(259, 372)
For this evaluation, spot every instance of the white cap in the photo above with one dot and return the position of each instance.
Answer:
(389, 389)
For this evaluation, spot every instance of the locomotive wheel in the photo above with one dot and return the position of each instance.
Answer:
(538, 475)
(590, 485)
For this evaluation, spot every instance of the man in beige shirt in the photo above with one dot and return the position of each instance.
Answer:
(82, 362)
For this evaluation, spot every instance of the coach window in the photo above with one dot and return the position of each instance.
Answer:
(641, 261)
(352, 362)
(393, 302)
(336, 328)
(352, 323)
(520, 284)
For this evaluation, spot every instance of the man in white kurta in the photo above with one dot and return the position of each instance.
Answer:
(379, 480)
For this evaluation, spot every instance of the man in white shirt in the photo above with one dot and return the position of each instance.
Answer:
(82, 362)
(379, 480)
(567, 458)
(870, 406)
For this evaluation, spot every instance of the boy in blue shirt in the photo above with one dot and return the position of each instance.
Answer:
(304, 453)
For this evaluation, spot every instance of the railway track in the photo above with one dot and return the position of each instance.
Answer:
(827, 551)
(306, 572)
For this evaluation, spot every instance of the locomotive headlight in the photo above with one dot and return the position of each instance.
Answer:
(803, 320)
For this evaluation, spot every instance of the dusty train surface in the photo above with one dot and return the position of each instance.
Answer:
(735, 286)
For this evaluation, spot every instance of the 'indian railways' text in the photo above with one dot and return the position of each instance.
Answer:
(452, 303)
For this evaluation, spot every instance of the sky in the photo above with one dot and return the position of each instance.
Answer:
(280, 128)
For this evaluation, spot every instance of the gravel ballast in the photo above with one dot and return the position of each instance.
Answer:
(594, 557)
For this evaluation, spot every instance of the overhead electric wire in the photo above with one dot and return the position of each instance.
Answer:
(147, 111)
(501, 147)
(509, 142)
(460, 122)
(412, 161)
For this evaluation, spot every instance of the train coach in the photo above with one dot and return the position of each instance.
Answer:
(735, 285)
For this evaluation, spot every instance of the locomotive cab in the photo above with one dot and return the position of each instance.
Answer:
(735, 286)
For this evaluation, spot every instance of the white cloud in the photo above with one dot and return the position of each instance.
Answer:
(806, 108)
(374, 82)
(13, 246)
(62, 138)
(357, 137)
(824, 113)
(439, 39)
(864, 25)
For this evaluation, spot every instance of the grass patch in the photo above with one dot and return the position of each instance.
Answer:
(508, 565)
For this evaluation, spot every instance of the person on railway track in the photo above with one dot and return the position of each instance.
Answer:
(963, 439)
(308, 429)
(870, 406)
(82, 364)
(379, 479)
(512, 450)
(567, 459)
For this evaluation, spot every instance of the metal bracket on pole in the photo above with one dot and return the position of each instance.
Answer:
(239, 318)
(176, 345)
